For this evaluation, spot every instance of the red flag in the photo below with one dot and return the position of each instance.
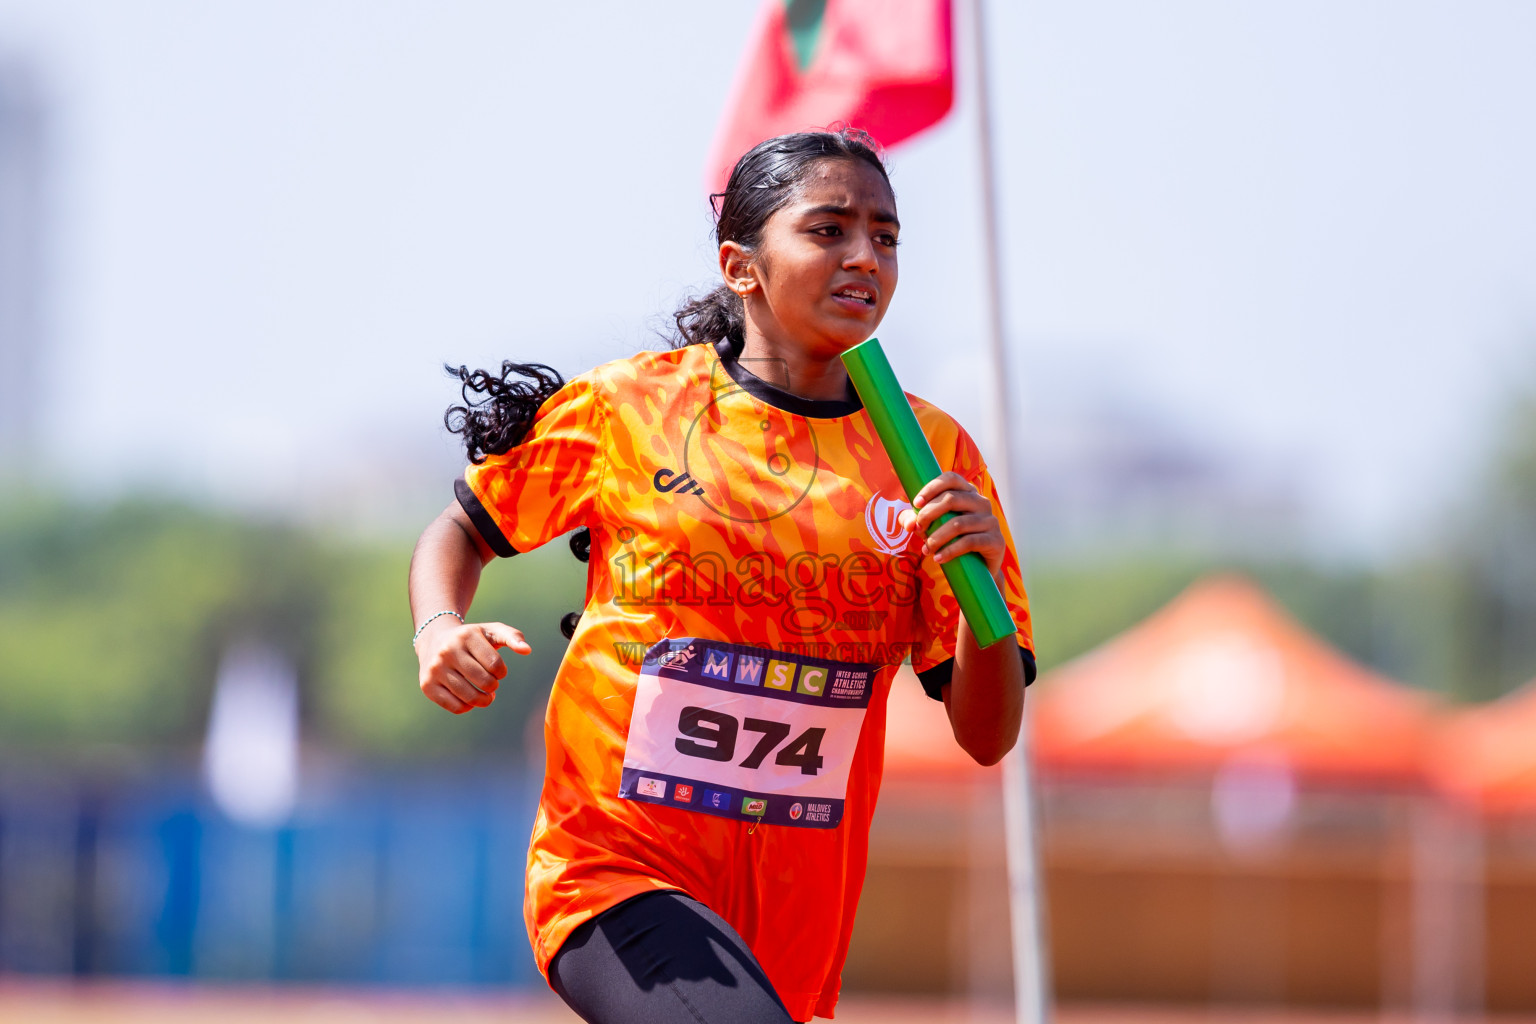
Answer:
(886, 66)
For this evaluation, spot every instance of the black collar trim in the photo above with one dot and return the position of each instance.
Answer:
(818, 408)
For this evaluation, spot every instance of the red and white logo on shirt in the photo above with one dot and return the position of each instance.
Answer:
(882, 517)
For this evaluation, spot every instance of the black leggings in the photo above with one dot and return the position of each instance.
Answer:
(662, 958)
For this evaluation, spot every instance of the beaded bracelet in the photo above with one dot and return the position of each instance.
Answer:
(435, 615)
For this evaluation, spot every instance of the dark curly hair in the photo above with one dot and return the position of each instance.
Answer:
(499, 409)
(499, 421)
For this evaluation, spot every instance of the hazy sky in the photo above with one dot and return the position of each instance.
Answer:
(1304, 232)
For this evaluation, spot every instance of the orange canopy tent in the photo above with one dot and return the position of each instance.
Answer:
(919, 742)
(1486, 757)
(1223, 670)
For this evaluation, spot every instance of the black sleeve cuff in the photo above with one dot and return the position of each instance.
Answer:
(482, 519)
(935, 679)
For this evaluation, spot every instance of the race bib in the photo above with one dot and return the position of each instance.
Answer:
(745, 732)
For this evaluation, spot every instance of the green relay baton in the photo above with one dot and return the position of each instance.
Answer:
(909, 451)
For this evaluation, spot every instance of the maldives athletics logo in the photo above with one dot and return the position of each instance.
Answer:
(882, 517)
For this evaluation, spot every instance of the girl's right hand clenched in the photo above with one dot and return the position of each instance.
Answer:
(460, 668)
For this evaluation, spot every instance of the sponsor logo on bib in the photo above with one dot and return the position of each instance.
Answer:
(676, 658)
(796, 809)
(717, 664)
(683, 794)
(749, 670)
(781, 675)
(850, 683)
(653, 787)
(813, 681)
(754, 805)
(815, 811)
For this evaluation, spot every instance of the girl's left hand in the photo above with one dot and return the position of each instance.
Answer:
(974, 527)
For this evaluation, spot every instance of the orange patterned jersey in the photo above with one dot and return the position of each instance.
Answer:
(717, 725)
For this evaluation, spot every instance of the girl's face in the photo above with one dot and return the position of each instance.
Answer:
(823, 274)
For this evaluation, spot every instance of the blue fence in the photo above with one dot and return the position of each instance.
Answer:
(377, 879)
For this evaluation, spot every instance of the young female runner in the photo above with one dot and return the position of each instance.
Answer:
(715, 734)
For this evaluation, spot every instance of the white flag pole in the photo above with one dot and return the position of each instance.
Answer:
(1031, 980)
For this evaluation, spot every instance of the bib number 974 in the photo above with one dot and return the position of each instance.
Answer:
(712, 735)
